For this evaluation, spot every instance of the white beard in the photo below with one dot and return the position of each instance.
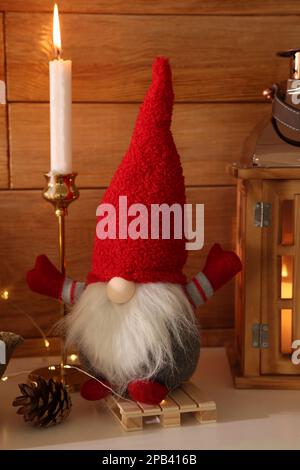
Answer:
(131, 341)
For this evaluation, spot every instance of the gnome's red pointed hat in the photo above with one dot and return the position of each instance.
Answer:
(150, 173)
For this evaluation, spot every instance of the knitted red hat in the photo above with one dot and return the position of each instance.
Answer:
(150, 173)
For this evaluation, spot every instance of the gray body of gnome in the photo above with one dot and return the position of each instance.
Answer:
(186, 362)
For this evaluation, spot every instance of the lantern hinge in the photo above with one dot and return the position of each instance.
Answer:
(260, 335)
(262, 214)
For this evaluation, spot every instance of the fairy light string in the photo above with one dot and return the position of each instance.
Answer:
(4, 295)
(69, 366)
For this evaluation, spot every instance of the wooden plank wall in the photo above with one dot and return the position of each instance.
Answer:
(223, 56)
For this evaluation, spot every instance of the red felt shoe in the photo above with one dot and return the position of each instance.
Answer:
(145, 391)
(92, 390)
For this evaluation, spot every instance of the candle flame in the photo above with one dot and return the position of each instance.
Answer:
(56, 31)
(284, 271)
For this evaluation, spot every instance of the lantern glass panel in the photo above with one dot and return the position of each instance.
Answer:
(286, 330)
(286, 282)
(287, 222)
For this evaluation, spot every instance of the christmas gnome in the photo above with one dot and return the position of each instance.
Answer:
(133, 320)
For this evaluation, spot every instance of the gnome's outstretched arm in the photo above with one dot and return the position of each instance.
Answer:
(45, 279)
(219, 268)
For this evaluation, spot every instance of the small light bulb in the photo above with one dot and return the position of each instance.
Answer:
(4, 295)
(47, 344)
(66, 366)
(4, 379)
(73, 357)
(268, 93)
(51, 367)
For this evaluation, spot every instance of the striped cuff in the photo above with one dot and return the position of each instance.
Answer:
(199, 289)
(71, 291)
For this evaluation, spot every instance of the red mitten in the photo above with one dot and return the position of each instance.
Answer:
(221, 266)
(45, 278)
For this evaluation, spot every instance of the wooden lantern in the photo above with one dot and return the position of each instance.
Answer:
(268, 289)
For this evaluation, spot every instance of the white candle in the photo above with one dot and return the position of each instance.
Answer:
(60, 107)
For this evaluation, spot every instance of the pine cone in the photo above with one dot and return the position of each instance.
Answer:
(43, 403)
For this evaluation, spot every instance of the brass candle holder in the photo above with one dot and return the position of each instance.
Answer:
(60, 191)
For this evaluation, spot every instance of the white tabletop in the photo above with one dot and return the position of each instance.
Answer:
(247, 419)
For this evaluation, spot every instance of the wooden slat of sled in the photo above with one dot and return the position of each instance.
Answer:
(207, 408)
(184, 402)
(127, 413)
(170, 413)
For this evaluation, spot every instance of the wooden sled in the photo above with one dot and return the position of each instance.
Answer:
(186, 399)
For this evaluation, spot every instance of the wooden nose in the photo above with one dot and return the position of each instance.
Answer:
(120, 290)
